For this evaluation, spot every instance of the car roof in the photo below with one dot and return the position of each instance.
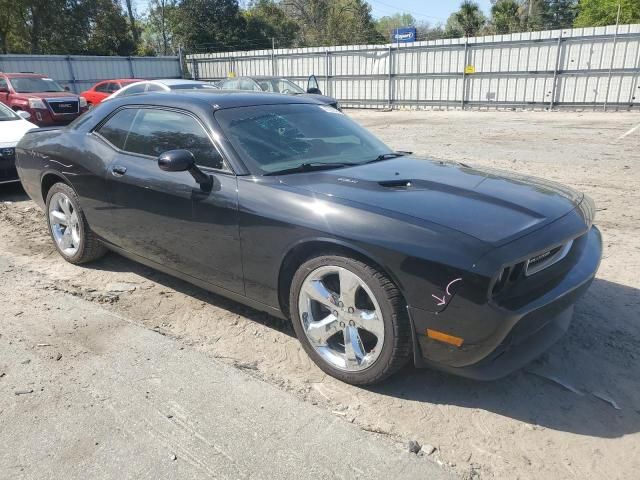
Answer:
(261, 77)
(24, 74)
(218, 99)
(176, 81)
(122, 80)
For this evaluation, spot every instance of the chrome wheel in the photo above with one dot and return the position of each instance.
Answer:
(64, 222)
(341, 318)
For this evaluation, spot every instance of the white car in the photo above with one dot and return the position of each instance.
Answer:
(13, 126)
(162, 85)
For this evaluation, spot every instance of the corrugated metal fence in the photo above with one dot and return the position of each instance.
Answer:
(81, 72)
(575, 68)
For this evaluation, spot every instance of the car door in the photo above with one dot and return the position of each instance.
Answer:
(166, 217)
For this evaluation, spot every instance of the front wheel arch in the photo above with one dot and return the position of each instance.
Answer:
(305, 250)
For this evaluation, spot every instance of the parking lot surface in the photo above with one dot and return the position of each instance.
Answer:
(575, 413)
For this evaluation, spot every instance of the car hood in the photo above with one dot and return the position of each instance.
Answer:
(493, 206)
(11, 131)
(70, 96)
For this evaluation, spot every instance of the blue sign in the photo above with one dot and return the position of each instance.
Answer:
(403, 35)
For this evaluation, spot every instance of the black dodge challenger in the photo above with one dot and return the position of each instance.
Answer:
(288, 206)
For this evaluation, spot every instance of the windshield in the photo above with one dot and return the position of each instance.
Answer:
(35, 85)
(7, 114)
(191, 86)
(278, 137)
(279, 85)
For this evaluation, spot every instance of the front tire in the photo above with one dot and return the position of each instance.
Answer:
(350, 318)
(68, 226)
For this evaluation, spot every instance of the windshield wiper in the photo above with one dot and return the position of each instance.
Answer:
(310, 167)
(387, 156)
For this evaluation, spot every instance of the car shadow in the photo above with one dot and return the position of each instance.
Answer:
(597, 356)
(13, 192)
(113, 262)
(571, 388)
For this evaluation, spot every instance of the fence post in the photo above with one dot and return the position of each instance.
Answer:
(555, 73)
(71, 73)
(390, 102)
(273, 57)
(326, 72)
(464, 73)
(131, 72)
(613, 57)
(180, 57)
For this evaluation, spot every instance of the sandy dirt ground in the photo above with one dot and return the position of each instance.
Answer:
(575, 413)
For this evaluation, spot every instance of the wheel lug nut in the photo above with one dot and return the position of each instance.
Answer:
(340, 304)
(351, 310)
(335, 313)
(352, 323)
(342, 325)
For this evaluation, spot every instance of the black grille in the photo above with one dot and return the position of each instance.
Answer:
(64, 106)
(7, 153)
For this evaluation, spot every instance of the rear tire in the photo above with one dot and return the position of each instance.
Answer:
(350, 318)
(68, 226)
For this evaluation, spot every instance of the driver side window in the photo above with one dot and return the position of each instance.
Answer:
(153, 131)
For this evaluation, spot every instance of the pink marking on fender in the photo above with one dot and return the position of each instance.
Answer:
(441, 300)
(451, 283)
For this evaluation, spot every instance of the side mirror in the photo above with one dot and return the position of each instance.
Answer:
(184, 161)
(66, 88)
(23, 114)
(314, 91)
(4, 89)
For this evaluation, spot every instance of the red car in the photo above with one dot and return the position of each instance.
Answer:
(103, 89)
(43, 98)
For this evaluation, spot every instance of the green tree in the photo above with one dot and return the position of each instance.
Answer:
(595, 13)
(560, 14)
(350, 22)
(109, 32)
(534, 13)
(468, 20)
(267, 23)
(159, 27)
(505, 17)
(211, 25)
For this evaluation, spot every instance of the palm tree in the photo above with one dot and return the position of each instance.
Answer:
(470, 18)
(506, 16)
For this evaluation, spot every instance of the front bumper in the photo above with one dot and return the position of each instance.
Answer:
(516, 335)
(8, 173)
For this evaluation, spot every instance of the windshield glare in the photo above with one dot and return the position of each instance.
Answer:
(7, 114)
(35, 85)
(279, 85)
(277, 137)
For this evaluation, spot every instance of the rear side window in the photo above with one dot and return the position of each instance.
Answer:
(103, 87)
(117, 128)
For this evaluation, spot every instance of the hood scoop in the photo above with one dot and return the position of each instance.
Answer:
(399, 184)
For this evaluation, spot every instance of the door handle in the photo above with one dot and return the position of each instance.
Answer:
(118, 170)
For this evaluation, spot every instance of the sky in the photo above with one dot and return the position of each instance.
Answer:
(432, 11)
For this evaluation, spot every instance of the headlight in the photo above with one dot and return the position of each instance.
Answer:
(36, 103)
(83, 102)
